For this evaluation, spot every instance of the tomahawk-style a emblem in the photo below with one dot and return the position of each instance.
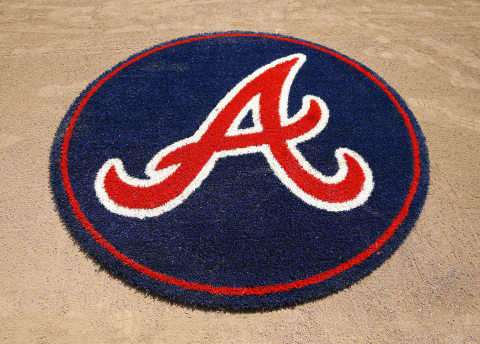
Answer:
(179, 169)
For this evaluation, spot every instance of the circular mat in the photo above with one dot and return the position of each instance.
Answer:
(239, 170)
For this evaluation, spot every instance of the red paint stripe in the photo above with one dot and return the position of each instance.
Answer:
(258, 290)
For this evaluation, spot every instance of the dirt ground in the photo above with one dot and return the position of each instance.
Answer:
(428, 292)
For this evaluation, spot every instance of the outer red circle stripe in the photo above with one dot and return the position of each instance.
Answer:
(257, 290)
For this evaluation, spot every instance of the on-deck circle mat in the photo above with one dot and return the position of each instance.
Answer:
(239, 170)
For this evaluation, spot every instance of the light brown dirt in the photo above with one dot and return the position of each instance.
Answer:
(428, 292)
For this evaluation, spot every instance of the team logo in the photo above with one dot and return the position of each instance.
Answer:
(176, 171)
(240, 170)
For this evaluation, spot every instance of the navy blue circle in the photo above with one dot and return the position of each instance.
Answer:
(242, 227)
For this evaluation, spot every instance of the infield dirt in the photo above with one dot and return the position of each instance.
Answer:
(427, 292)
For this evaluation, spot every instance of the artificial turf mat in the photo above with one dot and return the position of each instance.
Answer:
(239, 170)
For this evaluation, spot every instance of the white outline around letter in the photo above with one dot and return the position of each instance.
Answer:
(156, 177)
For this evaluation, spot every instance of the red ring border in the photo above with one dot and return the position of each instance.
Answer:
(239, 291)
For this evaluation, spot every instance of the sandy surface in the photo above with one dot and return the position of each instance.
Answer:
(428, 292)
